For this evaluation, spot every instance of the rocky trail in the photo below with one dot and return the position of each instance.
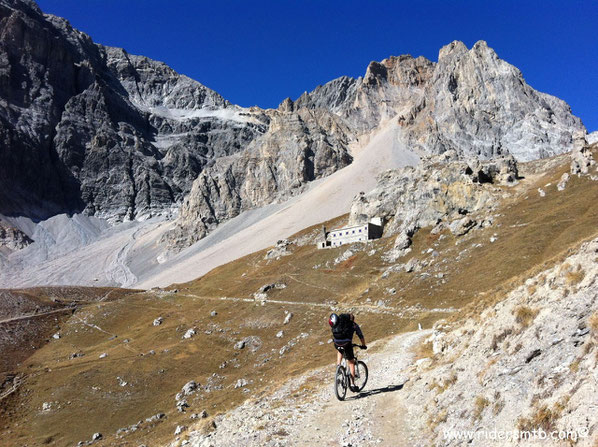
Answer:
(305, 411)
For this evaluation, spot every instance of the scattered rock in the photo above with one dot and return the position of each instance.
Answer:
(253, 342)
(213, 313)
(402, 241)
(581, 155)
(288, 317)
(261, 294)
(96, 437)
(279, 334)
(563, 181)
(158, 321)
(190, 333)
(281, 249)
(179, 429)
(343, 257)
(241, 383)
(103, 355)
(181, 405)
(189, 388)
(462, 226)
(156, 417)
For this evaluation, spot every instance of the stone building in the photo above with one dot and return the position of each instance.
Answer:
(349, 235)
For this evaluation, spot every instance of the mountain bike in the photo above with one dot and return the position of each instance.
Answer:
(342, 378)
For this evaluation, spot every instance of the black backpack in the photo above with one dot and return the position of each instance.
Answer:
(344, 328)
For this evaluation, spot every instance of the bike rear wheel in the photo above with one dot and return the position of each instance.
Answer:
(361, 375)
(340, 383)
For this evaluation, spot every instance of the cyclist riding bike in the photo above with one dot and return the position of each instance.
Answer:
(343, 327)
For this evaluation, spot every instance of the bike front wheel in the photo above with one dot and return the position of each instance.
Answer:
(361, 375)
(340, 383)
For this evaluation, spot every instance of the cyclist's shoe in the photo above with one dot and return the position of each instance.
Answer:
(354, 388)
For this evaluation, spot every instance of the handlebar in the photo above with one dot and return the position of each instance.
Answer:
(360, 346)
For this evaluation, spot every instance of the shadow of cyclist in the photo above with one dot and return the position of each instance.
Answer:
(386, 389)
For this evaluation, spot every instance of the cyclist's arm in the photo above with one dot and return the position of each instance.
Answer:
(360, 334)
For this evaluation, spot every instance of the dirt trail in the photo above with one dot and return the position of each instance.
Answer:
(40, 314)
(397, 311)
(294, 417)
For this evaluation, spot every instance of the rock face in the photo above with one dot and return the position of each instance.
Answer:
(480, 105)
(298, 147)
(470, 104)
(90, 128)
(12, 238)
(527, 362)
(93, 129)
(437, 191)
(470, 101)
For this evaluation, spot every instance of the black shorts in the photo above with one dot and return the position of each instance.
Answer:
(347, 349)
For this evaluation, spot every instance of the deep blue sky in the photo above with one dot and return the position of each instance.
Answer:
(259, 52)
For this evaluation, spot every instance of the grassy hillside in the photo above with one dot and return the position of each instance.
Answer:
(146, 366)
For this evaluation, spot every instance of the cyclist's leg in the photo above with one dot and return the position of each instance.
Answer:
(351, 360)
(339, 358)
(352, 369)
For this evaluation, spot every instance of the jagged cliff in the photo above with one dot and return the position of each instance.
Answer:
(469, 104)
(89, 128)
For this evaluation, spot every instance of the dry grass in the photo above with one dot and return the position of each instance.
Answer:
(573, 277)
(442, 385)
(498, 407)
(563, 218)
(587, 348)
(423, 350)
(479, 405)
(524, 315)
(436, 419)
(543, 418)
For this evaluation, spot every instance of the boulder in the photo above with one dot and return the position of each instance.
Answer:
(462, 226)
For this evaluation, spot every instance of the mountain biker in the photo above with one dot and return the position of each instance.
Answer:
(343, 327)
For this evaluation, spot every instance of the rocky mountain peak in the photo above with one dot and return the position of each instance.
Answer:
(287, 105)
(401, 71)
(452, 50)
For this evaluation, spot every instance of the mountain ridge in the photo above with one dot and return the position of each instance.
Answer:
(111, 108)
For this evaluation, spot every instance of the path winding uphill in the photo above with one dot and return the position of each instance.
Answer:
(305, 412)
